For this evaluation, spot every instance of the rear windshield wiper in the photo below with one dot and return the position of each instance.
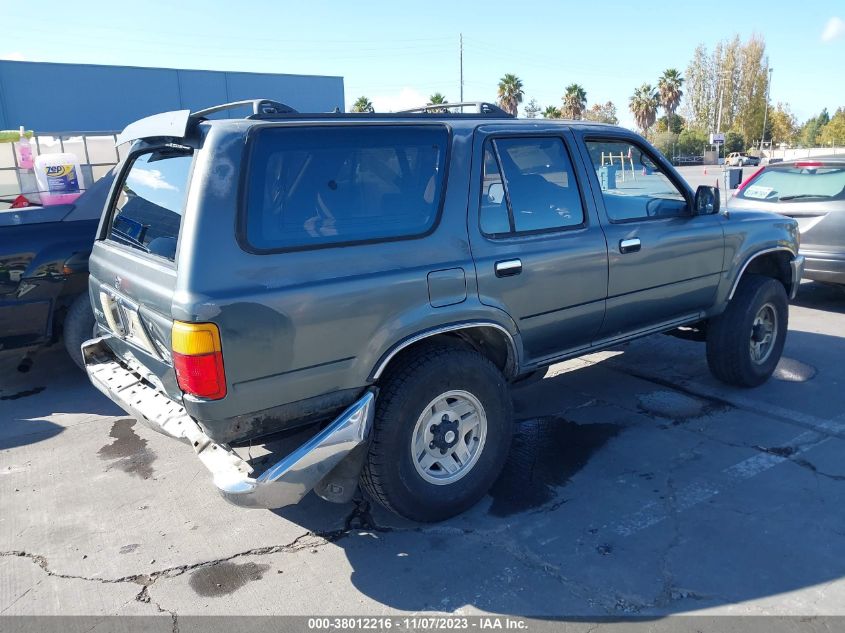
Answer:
(804, 195)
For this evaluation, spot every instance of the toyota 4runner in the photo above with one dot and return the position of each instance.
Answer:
(382, 278)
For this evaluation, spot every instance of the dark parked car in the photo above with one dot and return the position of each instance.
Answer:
(812, 191)
(44, 273)
(385, 276)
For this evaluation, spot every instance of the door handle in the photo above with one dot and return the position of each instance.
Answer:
(508, 268)
(631, 245)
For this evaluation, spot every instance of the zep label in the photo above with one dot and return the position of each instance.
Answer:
(62, 179)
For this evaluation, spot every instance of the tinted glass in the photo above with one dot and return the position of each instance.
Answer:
(632, 185)
(540, 184)
(796, 184)
(327, 185)
(149, 206)
(495, 219)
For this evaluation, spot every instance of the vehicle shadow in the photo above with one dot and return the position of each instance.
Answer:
(14, 433)
(819, 296)
(53, 385)
(562, 552)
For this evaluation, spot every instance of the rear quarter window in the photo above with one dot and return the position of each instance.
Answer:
(147, 212)
(312, 187)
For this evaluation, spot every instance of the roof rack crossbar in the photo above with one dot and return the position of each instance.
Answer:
(259, 106)
(481, 107)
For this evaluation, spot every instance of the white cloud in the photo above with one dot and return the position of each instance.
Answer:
(405, 99)
(834, 29)
(15, 56)
(150, 178)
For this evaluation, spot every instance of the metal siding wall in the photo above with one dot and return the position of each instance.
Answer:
(76, 97)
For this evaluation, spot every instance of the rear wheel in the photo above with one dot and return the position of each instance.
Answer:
(78, 326)
(442, 431)
(744, 344)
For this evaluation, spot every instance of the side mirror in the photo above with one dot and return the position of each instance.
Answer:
(496, 193)
(707, 200)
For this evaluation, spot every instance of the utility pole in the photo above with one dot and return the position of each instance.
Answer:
(461, 57)
(766, 109)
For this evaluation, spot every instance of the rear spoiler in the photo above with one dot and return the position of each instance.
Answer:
(175, 124)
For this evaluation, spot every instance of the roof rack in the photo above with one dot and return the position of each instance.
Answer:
(481, 107)
(259, 107)
(177, 124)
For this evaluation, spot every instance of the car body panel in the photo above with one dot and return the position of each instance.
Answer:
(821, 223)
(642, 289)
(558, 298)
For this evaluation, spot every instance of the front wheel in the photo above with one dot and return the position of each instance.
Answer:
(745, 342)
(441, 435)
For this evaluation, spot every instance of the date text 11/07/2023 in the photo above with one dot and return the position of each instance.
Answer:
(417, 623)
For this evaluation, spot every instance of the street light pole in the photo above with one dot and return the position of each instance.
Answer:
(766, 109)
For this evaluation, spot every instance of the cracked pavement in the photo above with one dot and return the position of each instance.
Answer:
(637, 485)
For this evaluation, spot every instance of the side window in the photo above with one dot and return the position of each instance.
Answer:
(147, 214)
(318, 186)
(632, 185)
(528, 186)
(495, 219)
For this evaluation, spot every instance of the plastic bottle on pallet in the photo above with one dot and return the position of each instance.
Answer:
(24, 151)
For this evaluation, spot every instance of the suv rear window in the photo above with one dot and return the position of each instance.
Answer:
(787, 184)
(148, 210)
(320, 186)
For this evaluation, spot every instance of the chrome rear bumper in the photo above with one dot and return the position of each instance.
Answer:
(282, 484)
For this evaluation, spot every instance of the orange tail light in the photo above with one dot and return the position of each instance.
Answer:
(198, 359)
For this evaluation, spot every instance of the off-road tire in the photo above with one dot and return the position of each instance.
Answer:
(390, 476)
(728, 335)
(77, 328)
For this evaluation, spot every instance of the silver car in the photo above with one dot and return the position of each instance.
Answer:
(812, 191)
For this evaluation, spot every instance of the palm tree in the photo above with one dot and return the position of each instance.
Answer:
(551, 112)
(437, 99)
(669, 92)
(643, 104)
(574, 102)
(510, 93)
(362, 104)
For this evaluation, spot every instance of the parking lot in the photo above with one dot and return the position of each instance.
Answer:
(637, 485)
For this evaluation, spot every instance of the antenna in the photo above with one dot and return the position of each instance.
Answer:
(461, 58)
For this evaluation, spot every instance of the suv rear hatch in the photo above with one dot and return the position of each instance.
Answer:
(133, 264)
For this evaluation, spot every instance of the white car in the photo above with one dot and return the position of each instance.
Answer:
(739, 159)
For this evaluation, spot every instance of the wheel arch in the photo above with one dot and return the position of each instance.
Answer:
(490, 339)
(771, 262)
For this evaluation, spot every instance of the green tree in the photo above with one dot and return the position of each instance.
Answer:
(362, 104)
(734, 142)
(551, 112)
(735, 74)
(532, 109)
(700, 101)
(783, 128)
(666, 142)
(574, 102)
(833, 133)
(510, 93)
(812, 129)
(602, 113)
(677, 124)
(691, 142)
(437, 99)
(643, 105)
(669, 91)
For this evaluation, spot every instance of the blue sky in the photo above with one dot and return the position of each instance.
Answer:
(398, 53)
